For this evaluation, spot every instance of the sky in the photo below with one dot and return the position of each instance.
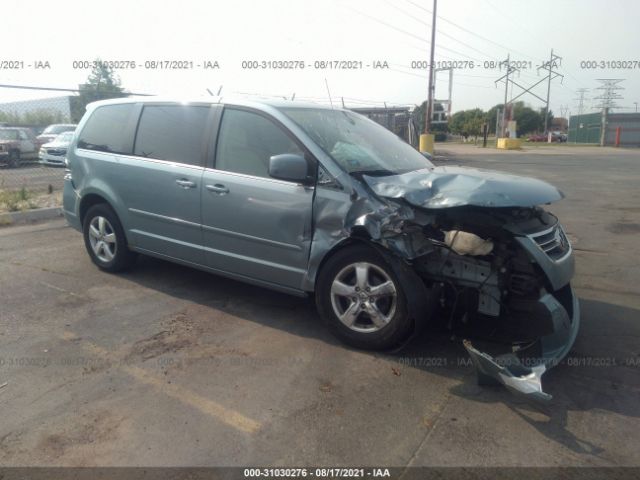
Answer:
(393, 34)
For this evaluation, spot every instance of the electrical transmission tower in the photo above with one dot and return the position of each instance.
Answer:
(581, 99)
(554, 61)
(609, 87)
(564, 109)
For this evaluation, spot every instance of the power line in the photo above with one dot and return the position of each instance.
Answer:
(470, 31)
(444, 34)
(405, 32)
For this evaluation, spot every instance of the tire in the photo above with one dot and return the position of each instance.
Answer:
(14, 159)
(105, 240)
(359, 286)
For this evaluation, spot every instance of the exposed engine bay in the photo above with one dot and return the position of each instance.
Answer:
(492, 290)
(486, 275)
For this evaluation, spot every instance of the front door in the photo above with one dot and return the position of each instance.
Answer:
(253, 225)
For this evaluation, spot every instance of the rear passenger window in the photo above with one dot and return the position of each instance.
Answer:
(106, 129)
(172, 132)
(247, 141)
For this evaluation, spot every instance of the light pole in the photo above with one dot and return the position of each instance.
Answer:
(426, 139)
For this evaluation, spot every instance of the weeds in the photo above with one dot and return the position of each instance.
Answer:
(15, 200)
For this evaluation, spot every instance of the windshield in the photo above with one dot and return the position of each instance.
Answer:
(356, 143)
(53, 129)
(64, 137)
(8, 134)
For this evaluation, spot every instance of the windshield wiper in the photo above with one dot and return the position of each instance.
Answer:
(380, 172)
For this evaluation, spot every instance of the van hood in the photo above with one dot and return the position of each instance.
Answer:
(445, 187)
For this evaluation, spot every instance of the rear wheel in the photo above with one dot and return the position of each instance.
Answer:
(105, 240)
(362, 301)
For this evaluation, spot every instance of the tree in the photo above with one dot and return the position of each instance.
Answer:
(456, 122)
(101, 84)
(549, 116)
(467, 122)
(491, 117)
(527, 119)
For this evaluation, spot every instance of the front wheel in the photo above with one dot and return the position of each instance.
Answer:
(105, 240)
(362, 300)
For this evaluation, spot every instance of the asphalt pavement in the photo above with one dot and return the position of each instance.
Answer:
(168, 366)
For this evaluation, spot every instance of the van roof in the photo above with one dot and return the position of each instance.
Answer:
(256, 102)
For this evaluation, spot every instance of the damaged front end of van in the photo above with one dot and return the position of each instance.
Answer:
(481, 256)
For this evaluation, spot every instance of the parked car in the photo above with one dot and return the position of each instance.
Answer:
(325, 202)
(52, 131)
(54, 153)
(558, 136)
(537, 138)
(17, 144)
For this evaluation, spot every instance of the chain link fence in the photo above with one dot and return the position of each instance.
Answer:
(27, 128)
(34, 135)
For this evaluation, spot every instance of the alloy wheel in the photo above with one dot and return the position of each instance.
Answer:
(102, 237)
(363, 297)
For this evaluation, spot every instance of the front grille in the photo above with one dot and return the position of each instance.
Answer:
(553, 242)
(57, 151)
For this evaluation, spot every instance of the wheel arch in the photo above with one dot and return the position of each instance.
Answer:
(421, 300)
(359, 236)
(88, 201)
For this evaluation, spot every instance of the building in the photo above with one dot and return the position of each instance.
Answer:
(559, 124)
(399, 120)
(620, 129)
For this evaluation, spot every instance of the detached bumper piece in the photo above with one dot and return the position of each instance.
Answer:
(507, 369)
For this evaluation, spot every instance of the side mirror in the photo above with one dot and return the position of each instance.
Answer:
(290, 167)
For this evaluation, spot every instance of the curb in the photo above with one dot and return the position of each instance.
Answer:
(28, 216)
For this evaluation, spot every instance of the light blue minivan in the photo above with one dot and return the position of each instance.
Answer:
(312, 200)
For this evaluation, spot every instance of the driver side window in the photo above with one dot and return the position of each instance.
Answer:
(247, 141)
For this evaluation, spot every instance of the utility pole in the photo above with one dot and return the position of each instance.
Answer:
(504, 105)
(510, 70)
(430, 97)
(549, 67)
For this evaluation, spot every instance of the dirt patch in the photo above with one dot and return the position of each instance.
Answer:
(181, 332)
(624, 228)
(92, 429)
(158, 344)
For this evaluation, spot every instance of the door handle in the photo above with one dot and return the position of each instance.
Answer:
(184, 183)
(217, 188)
